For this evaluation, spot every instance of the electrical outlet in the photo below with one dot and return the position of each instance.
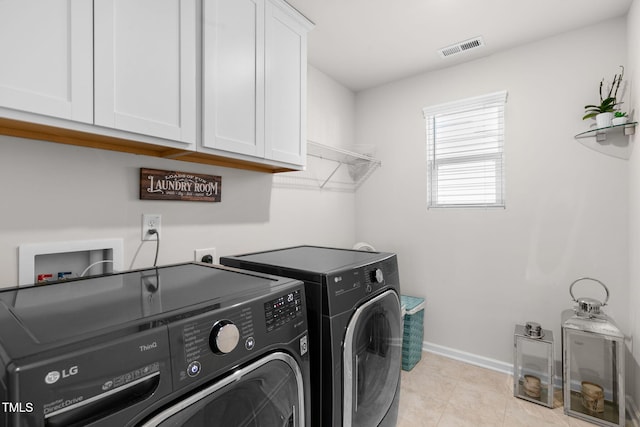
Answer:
(199, 254)
(150, 221)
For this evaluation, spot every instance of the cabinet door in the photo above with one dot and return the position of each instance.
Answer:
(233, 63)
(145, 67)
(285, 84)
(46, 48)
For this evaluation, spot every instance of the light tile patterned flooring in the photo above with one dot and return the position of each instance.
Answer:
(442, 392)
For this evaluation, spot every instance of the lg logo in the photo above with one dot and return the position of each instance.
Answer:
(53, 376)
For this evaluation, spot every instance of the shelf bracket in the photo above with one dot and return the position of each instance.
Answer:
(331, 175)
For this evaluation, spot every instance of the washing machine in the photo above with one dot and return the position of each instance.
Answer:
(181, 345)
(353, 301)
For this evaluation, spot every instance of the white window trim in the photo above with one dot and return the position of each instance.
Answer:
(491, 99)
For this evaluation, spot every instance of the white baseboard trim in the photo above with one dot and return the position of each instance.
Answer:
(633, 412)
(506, 368)
(472, 359)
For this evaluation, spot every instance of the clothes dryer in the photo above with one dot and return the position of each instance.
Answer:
(183, 345)
(355, 328)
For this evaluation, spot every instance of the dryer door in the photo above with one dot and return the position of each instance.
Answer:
(266, 393)
(372, 361)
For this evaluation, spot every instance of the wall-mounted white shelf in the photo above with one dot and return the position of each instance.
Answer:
(330, 168)
(611, 140)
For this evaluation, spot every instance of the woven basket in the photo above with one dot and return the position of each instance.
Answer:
(413, 331)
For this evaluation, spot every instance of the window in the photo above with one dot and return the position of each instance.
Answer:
(465, 152)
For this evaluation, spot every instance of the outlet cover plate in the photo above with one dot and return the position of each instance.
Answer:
(199, 253)
(150, 221)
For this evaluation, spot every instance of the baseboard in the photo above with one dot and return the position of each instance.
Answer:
(633, 412)
(506, 368)
(472, 359)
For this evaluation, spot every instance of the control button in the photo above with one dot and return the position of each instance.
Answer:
(250, 343)
(194, 368)
(377, 276)
(368, 289)
(224, 337)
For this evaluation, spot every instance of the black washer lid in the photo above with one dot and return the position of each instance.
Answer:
(314, 258)
(64, 311)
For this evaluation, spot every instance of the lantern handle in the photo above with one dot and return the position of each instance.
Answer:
(595, 280)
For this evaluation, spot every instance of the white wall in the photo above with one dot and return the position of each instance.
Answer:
(633, 37)
(54, 192)
(331, 108)
(483, 271)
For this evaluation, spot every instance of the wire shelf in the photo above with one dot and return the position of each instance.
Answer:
(330, 168)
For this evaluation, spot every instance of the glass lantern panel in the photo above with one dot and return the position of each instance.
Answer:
(533, 370)
(593, 375)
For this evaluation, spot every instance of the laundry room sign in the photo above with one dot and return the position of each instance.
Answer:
(158, 184)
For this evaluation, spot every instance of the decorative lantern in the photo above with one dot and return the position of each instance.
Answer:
(533, 364)
(592, 362)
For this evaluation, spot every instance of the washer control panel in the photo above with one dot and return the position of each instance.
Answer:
(209, 336)
(203, 346)
(224, 337)
(278, 312)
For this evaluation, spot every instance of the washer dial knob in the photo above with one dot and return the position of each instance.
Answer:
(224, 337)
(377, 276)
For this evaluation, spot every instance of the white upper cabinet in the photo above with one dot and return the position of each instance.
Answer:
(46, 50)
(210, 81)
(145, 67)
(233, 78)
(254, 79)
(285, 84)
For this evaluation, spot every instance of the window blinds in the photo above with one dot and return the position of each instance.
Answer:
(465, 152)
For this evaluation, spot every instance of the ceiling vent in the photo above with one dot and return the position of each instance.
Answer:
(460, 47)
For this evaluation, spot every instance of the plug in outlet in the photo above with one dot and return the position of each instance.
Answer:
(150, 221)
(202, 255)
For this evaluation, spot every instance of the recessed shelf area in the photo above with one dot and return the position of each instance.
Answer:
(330, 168)
(70, 258)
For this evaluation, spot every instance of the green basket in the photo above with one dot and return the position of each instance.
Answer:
(413, 331)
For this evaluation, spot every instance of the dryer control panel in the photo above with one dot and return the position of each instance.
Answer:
(348, 289)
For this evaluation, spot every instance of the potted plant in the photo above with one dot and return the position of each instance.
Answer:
(619, 118)
(603, 112)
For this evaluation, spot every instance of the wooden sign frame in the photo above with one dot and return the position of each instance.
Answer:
(156, 184)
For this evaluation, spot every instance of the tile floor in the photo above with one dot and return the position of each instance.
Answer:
(442, 392)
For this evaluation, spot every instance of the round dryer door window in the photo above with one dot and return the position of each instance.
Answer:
(372, 361)
(267, 393)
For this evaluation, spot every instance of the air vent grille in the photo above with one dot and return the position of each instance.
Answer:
(460, 47)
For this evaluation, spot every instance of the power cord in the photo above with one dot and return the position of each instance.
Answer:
(154, 231)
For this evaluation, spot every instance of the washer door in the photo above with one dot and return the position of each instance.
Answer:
(372, 359)
(266, 393)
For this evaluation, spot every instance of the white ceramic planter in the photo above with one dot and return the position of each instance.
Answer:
(619, 120)
(603, 120)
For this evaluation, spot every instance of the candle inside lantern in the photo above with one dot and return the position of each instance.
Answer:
(532, 386)
(592, 397)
